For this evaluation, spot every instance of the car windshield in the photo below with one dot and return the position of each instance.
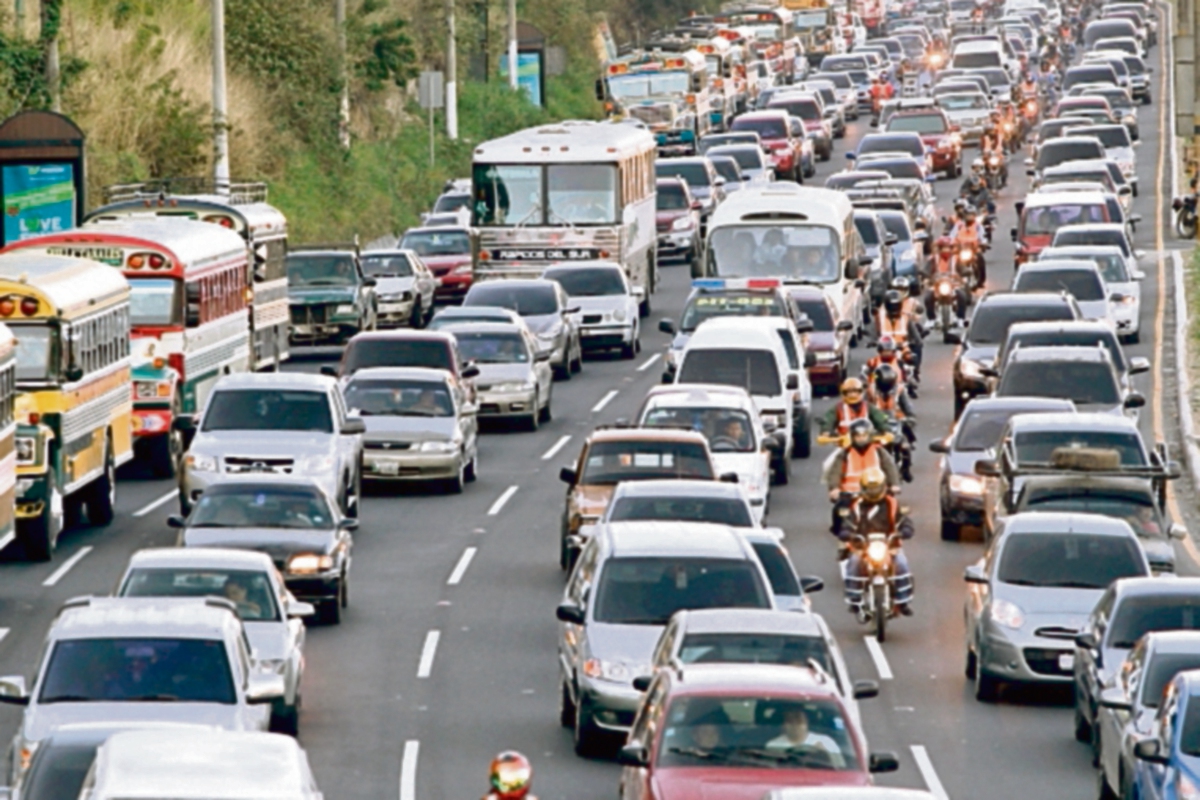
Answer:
(647, 84)
(1085, 382)
(528, 301)
(817, 310)
(963, 102)
(654, 113)
(1045, 220)
(694, 173)
(588, 281)
(798, 252)
(766, 127)
(58, 770)
(720, 510)
(1074, 560)
(1137, 616)
(703, 307)
(331, 270)
(896, 167)
(991, 322)
(449, 203)
(581, 194)
(1084, 285)
(806, 108)
(250, 591)
(746, 157)
(728, 430)
(1096, 236)
(1060, 338)
(897, 225)
(980, 429)
(1058, 152)
(268, 410)
(493, 348)
(757, 733)
(867, 230)
(647, 591)
(1139, 512)
(233, 506)
(457, 315)
(380, 397)
(1112, 265)
(437, 243)
(138, 670)
(1109, 135)
(885, 143)
(153, 301)
(918, 123)
(1162, 668)
(396, 265)
(1041, 447)
(755, 648)
(671, 198)
(37, 352)
(609, 463)
(755, 371)
(365, 353)
(728, 169)
(1189, 735)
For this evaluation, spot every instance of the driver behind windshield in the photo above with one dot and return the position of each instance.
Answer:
(798, 735)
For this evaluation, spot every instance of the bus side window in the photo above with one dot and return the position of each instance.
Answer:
(194, 296)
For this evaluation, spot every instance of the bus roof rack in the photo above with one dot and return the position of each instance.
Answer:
(311, 246)
(239, 192)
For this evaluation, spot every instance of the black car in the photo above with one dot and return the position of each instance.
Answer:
(974, 437)
(293, 522)
(987, 330)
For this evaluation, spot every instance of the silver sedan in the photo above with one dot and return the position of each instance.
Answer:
(515, 380)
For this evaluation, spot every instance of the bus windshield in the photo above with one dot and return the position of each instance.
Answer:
(153, 301)
(647, 84)
(806, 253)
(810, 20)
(575, 194)
(35, 346)
(581, 194)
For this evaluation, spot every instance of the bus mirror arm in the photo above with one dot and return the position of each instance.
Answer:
(74, 373)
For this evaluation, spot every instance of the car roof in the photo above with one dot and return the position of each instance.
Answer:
(1063, 325)
(656, 538)
(1082, 249)
(1010, 403)
(626, 434)
(1033, 523)
(847, 793)
(1032, 267)
(1059, 353)
(276, 380)
(268, 483)
(468, 326)
(679, 487)
(1020, 299)
(406, 334)
(760, 680)
(705, 395)
(749, 620)
(1054, 198)
(1156, 587)
(533, 283)
(1075, 420)
(1094, 226)
(131, 617)
(718, 330)
(1183, 641)
(201, 558)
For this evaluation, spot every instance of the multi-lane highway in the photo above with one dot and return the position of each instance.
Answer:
(447, 653)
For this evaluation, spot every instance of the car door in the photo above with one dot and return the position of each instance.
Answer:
(635, 781)
(1154, 779)
(1112, 721)
(349, 445)
(424, 282)
(541, 370)
(468, 417)
(296, 634)
(1087, 660)
(572, 639)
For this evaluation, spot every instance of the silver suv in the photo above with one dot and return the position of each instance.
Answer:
(275, 423)
(142, 660)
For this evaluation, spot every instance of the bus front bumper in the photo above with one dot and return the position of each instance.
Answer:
(151, 422)
(32, 495)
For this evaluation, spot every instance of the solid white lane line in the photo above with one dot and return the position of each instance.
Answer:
(408, 770)
(881, 662)
(427, 654)
(166, 498)
(604, 401)
(8, 539)
(928, 773)
(460, 568)
(58, 574)
(559, 445)
(501, 500)
(649, 362)
(3, 633)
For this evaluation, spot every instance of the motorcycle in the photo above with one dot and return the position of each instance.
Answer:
(877, 552)
(950, 305)
(1185, 216)
(994, 174)
(968, 267)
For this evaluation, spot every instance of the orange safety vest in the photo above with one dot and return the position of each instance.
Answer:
(896, 329)
(846, 415)
(889, 404)
(856, 464)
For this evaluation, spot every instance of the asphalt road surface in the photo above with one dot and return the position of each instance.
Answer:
(447, 652)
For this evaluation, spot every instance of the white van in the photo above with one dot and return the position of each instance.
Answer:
(977, 54)
(748, 352)
(200, 764)
(797, 234)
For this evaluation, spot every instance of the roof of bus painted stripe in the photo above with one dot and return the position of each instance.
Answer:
(584, 142)
(70, 284)
(821, 206)
(199, 244)
(257, 216)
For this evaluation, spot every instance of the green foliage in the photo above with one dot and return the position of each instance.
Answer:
(23, 65)
(179, 133)
(381, 48)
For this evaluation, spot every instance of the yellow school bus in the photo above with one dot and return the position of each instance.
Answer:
(74, 404)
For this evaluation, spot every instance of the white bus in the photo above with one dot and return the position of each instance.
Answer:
(573, 191)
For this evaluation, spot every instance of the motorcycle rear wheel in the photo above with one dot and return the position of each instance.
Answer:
(881, 625)
(1185, 225)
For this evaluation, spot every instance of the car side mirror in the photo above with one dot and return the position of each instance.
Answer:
(805, 325)
(865, 690)
(1087, 641)
(74, 373)
(883, 762)
(354, 426)
(975, 574)
(729, 477)
(1138, 365)
(1116, 297)
(184, 423)
(1135, 400)
(1012, 234)
(811, 583)
(567, 475)
(543, 356)
(1114, 697)
(939, 446)
(1133, 218)
(299, 609)
(176, 521)
(810, 359)
(1177, 531)
(793, 382)
(642, 682)
(13, 690)
(348, 524)
(329, 370)
(667, 325)
(633, 755)
(865, 261)
(471, 370)
(1138, 275)
(987, 468)
(370, 282)
(569, 612)
(851, 156)
(844, 326)
(697, 205)
(264, 687)
(1149, 750)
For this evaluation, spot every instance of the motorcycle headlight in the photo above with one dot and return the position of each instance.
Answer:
(682, 224)
(877, 552)
(444, 446)
(966, 255)
(945, 288)
(344, 309)
(199, 463)
(966, 484)
(1007, 614)
(308, 563)
(310, 464)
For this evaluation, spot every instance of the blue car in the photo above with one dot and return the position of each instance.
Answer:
(908, 253)
(1168, 761)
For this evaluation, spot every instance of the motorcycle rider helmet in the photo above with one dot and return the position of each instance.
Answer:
(893, 302)
(510, 775)
(886, 378)
(970, 212)
(852, 391)
(902, 284)
(976, 180)
(860, 434)
(977, 166)
(887, 350)
(873, 484)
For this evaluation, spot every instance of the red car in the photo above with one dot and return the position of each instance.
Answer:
(937, 132)
(775, 131)
(447, 253)
(736, 731)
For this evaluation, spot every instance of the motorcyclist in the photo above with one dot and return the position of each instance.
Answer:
(974, 190)
(876, 510)
(844, 471)
(510, 776)
(944, 263)
(910, 291)
(879, 92)
(892, 322)
(885, 394)
(969, 234)
(853, 406)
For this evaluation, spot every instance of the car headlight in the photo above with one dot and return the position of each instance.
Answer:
(971, 368)
(511, 386)
(344, 309)
(309, 563)
(1007, 614)
(682, 224)
(945, 289)
(26, 449)
(199, 463)
(438, 446)
(312, 464)
(966, 484)
(613, 671)
(1128, 300)
(618, 315)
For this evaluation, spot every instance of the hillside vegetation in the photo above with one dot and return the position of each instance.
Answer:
(137, 78)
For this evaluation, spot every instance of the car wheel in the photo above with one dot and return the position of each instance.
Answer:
(951, 531)
(472, 470)
(987, 687)
(39, 536)
(629, 351)
(166, 451)
(285, 719)
(545, 412)
(782, 472)
(455, 485)
(418, 315)
(971, 665)
(586, 735)
(531, 422)
(577, 364)
(566, 708)
(562, 371)
(354, 495)
(1103, 790)
(959, 405)
(802, 444)
(331, 610)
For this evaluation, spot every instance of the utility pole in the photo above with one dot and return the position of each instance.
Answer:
(451, 75)
(51, 19)
(220, 103)
(20, 17)
(344, 102)
(512, 43)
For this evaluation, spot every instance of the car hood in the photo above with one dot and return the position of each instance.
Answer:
(410, 429)
(262, 443)
(386, 286)
(541, 323)
(1051, 607)
(666, 217)
(629, 644)
(599, 305)
(963, 462)
(41, 720)
(500, 373)
(741, 783)
(592, 499)
(278, 543)
(320, 294)
(269, 640)
(440, 264)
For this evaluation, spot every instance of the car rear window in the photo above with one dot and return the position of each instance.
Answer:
(138, 670)
(883, 143)
(528, 301)
(1054, 152)
(708, 306)
(1112, 238)
(1139, 511)
(437, 243)
(1068, 338)
(647, 591)
(1109, 135)
(1038, 447)
(366, 353)
(771, 128)
(609, 463)
(671, 197)
(991, 322)
(58, 770)
(982, 58)
(1137, 616)
(755, 648)
(803, 107)
(719, 510)
(250, 591)
(1085, 382)
(754, 370)
(1073, 560)
(1083, 285)
(981, 429)
(693, 173)
(918, 123)
(1045, 220)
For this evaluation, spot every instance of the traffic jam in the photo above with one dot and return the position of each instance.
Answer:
(794, 432)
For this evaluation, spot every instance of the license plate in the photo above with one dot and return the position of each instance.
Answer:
(1066, 662)
(387, 468)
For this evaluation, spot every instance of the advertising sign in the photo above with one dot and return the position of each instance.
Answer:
(529, 74)
(38, 199)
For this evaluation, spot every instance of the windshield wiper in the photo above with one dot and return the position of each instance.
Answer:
(69, 698)
(696, 752)
(153, 698)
